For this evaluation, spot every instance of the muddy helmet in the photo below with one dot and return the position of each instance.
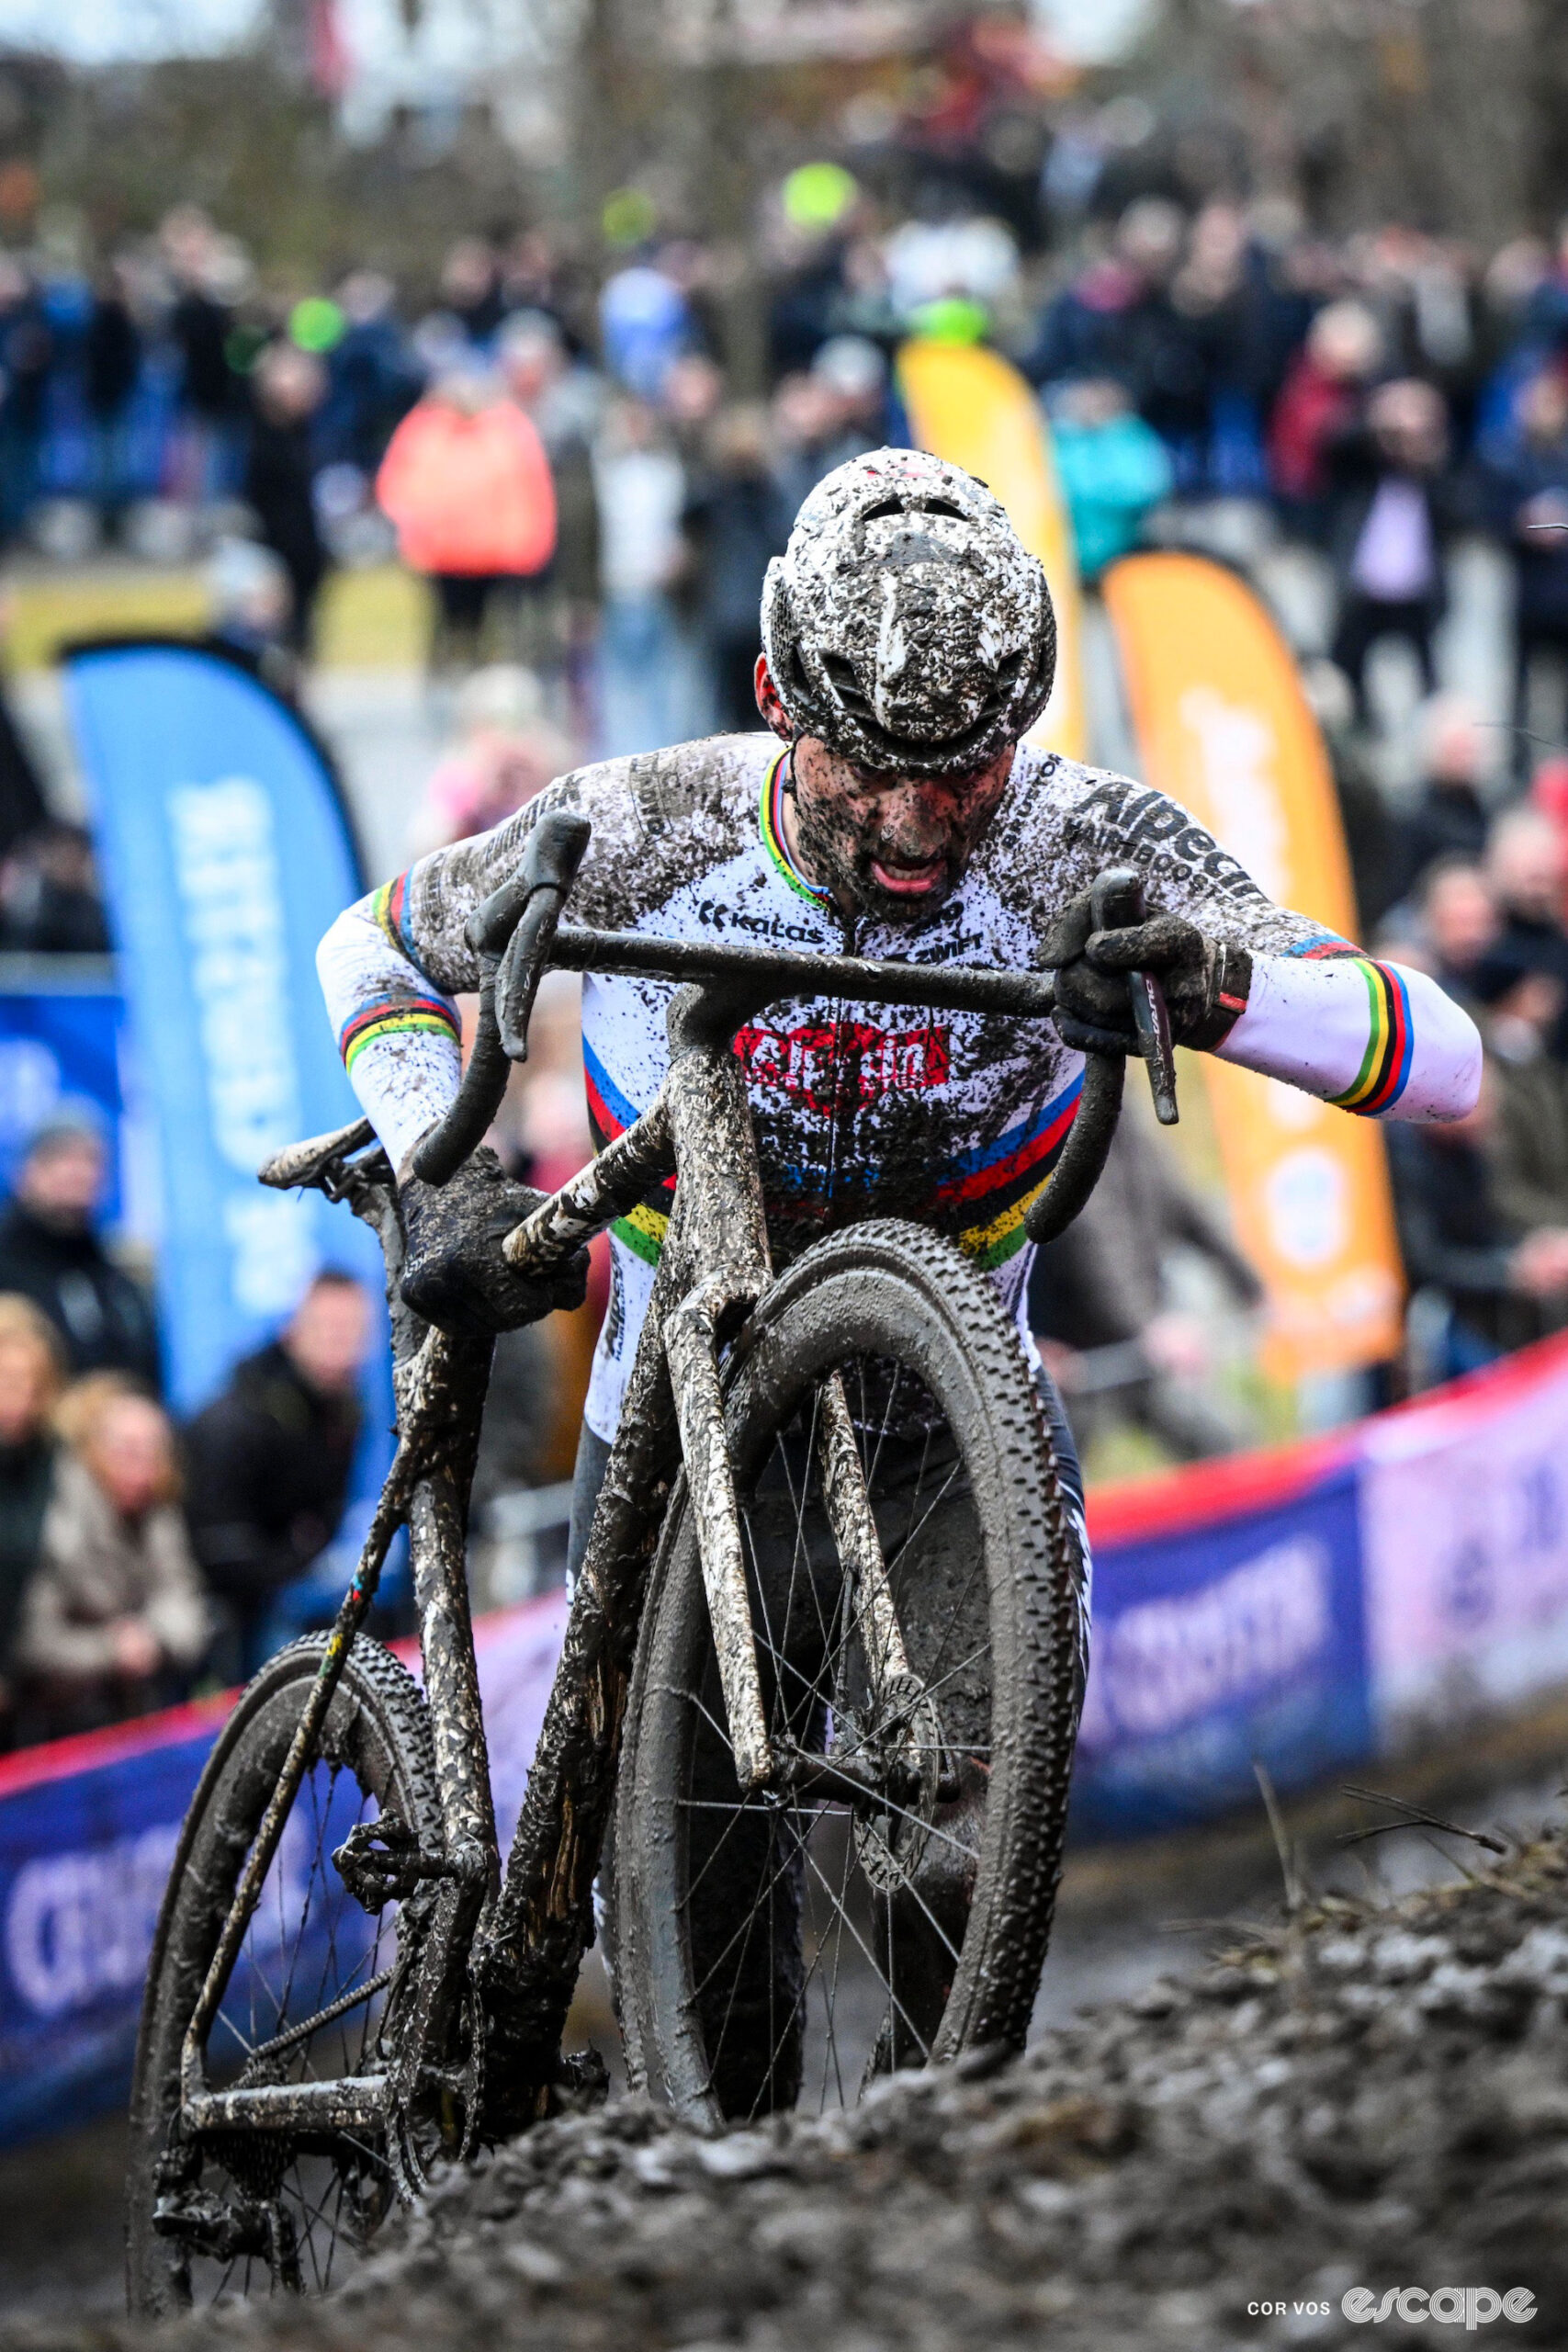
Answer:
(906, 625)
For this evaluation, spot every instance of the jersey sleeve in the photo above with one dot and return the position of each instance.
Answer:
(398, 1031)
(1374, 1038)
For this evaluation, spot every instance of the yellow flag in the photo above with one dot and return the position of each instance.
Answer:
(970, 406)
(1223, 727)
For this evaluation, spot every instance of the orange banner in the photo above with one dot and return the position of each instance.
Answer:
(972, 407)
(1223, 725)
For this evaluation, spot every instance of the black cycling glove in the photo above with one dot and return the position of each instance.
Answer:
(1205, 984)
(454, 1273)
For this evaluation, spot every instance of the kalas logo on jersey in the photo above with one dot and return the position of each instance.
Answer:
(844, 1064)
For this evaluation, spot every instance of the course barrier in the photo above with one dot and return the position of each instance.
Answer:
(1363, 1594)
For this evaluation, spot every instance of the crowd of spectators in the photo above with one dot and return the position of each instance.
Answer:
(557, 451)
(139, 1560)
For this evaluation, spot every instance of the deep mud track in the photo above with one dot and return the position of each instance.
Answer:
(1361, 2096)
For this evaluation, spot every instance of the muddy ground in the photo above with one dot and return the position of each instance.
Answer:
(1364, 2094)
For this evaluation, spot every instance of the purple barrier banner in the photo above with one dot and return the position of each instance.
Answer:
(1464, 1540)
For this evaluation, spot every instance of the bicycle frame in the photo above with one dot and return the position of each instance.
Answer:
(514, 1945)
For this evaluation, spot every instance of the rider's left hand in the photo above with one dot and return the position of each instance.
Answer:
(454, 1272)
(1205, 983)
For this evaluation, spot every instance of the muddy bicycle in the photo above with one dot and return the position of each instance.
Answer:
(813, 1723)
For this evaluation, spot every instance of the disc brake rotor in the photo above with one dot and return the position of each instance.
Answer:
(891, 1840)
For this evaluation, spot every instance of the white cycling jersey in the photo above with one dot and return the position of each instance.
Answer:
(953, 1119)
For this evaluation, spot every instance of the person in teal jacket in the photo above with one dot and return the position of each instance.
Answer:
(1113, 467)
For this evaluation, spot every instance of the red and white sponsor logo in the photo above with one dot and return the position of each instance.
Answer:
(843, 1064)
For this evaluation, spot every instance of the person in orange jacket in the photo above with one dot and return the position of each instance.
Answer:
(467, 483)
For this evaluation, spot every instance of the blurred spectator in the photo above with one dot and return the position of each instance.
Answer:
(269, 1459)
(1369, 836)
(470, 288)
(27, 352)
(1530, 492)
(1448, 818)
(50, 903)
(1455, 923)
(31, 1376)
(1525, 866)
(51, 1253)
(198, 326)
(111, 367)
(1318, 405)
(1115, 319)
(646, 324)
(854, 373)
(373, 383)
(287, 386)
(1521, 1007)
(736, 521)
(113, 1619)
(1496, 1287)
(252, 606)
(1113, 467)
(565, 404)
(1393, 508)
(642, 493)
(1100, 1300)
(467, 485)
(506, 751)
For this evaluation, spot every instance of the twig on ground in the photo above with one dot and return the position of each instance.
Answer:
(1411, 1816)
(1281, 1842)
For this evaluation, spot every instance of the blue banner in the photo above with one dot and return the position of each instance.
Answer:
(226, 852)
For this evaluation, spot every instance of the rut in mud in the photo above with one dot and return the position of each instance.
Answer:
(1361, 2095)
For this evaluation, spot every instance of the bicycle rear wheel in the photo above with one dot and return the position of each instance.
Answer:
(770, 1951)
(312, 1995)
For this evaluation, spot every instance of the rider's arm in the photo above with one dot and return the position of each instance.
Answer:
(1372, 1037)
(397, 1030)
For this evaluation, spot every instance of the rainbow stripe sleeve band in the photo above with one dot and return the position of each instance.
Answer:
(1385, 1066)
(401, 1017)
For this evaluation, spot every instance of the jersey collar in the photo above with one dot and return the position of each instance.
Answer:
(770, 822)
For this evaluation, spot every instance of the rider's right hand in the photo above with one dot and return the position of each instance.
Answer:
(454, 1272)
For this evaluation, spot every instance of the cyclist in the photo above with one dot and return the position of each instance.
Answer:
(892, 809)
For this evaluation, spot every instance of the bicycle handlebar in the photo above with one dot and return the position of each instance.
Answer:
(957, 987)
(517, 935)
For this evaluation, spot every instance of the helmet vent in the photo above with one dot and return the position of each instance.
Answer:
(846, 685)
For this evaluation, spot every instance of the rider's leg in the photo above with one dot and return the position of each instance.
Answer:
(587, 1478)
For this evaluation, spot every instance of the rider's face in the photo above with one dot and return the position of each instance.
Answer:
(897, 844)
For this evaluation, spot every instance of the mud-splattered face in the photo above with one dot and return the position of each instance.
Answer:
(896, 846)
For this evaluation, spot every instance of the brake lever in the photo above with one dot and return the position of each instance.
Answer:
(1117, 900)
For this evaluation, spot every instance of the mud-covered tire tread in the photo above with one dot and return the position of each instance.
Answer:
(1037, 1667)
(371, 1676)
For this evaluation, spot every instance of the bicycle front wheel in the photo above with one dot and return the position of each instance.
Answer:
(774, 1951)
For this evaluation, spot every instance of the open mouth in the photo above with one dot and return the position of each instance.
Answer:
(908, 880)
